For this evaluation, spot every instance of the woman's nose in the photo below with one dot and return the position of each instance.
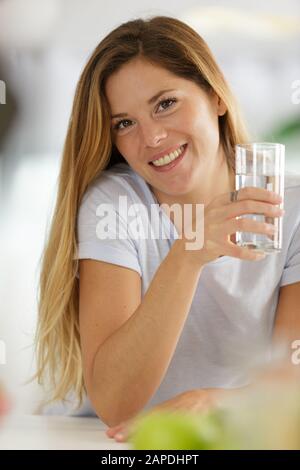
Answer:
(153, 133)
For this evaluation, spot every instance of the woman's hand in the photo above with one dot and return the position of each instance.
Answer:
(195, 401)
(220, 223)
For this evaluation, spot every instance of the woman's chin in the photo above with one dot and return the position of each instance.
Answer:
(179, 189)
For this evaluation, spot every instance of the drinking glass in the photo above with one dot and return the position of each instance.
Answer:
(261, 165)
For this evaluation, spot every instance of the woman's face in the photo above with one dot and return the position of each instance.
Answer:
(153, 127)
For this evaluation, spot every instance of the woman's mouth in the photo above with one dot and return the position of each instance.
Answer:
(163, 165)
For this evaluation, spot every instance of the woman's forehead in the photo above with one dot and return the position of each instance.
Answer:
(140, 74)
(141, 82)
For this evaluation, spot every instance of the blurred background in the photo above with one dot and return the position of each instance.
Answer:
(43, 48)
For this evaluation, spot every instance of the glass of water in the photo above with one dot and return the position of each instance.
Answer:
(261, 165)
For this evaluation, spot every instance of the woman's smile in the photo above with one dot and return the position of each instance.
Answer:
(160, 166)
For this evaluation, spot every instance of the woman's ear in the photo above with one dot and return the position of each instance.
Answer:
(218, 103)
(222, 108)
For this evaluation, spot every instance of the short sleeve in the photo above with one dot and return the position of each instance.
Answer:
(102, 232)
(291, 272)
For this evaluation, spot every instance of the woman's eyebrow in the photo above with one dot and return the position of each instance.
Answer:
(150, 101)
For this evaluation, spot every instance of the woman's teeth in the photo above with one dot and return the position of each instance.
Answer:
(168, 158)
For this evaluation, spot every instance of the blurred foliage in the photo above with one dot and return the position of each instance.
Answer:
(161, 430)
(290, 129)
(265, 418)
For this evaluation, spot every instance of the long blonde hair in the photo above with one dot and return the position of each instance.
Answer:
(88, 150)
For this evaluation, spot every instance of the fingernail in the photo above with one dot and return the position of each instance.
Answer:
(119, 436)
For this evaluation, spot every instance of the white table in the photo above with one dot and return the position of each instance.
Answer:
(35, 432)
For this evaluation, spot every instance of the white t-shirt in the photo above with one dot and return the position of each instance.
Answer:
(233, 309)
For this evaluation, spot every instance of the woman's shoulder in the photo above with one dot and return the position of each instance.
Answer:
(292, 190)
(117, 177)
(291, 201)
(292, 181)
(118, 180)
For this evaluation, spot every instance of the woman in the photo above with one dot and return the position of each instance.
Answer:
(143, 322)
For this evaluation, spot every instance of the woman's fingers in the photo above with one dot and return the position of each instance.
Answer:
(247, 225)
(236, 209)
(243, 253)
(249, 192)
(254, 207)
(243, 225)
(258, 194)
(121, 431)
(223, 217)
(110, 432)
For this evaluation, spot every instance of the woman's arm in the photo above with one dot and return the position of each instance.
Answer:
(130, 363)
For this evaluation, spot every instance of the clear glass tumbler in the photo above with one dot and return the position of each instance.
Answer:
(261, 165)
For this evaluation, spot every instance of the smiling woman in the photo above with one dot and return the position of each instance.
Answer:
(132, 321)
(177, 120)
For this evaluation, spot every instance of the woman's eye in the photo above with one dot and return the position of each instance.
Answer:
(168, 100)
(162, 102)
(117, 126)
